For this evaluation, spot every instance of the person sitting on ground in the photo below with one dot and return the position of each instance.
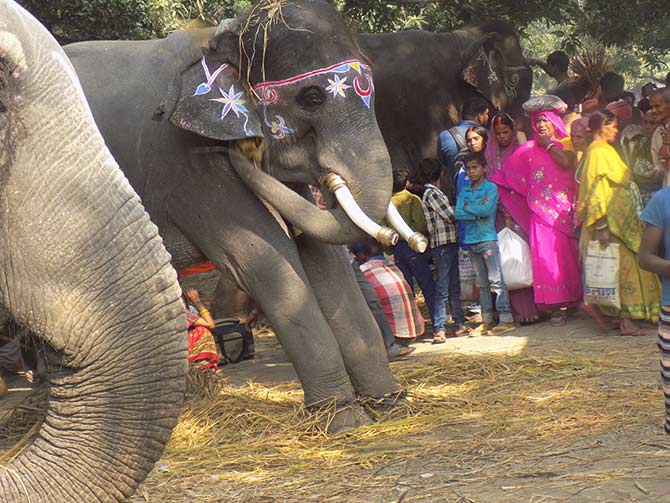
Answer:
(414, 265)
(444, 247)
(201, 346)
(395, 295)
(394, 349)
(656, 237)
(476, 207)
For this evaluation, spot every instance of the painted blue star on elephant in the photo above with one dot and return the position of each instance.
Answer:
(337, 86)
(232, 100)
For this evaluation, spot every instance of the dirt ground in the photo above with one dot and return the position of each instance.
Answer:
(583, 424)
(544, 414)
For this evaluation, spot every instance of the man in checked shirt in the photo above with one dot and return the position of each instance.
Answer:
(444, 248)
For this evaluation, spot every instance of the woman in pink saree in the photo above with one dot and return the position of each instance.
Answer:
(537, 187)
(503, 142)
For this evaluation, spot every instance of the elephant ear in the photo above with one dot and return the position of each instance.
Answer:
(213, 103)
(483, 65)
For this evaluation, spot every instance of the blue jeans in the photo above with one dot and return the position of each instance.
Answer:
(415, 265)
(485, 257)
(447, 286)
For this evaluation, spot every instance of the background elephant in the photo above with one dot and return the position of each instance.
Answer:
(309, 95)
(423, 78)
(84, 269)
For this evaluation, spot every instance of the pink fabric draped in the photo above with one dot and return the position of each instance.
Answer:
(539, 195)
(496, 156)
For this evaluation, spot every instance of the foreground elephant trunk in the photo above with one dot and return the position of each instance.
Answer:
(82, 266)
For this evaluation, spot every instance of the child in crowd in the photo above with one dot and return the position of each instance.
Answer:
(476, 208)
(444, 247)
(655, 257)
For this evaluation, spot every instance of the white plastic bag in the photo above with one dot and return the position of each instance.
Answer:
(601, 275)
(517, 267)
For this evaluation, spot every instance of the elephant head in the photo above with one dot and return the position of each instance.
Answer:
(493, 65)
(305, 88)
(83, 268)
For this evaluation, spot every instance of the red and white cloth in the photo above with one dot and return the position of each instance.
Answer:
(396, 297)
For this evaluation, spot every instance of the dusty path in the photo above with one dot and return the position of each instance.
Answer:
(547, 414)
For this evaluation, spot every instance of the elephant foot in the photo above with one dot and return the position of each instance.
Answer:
(338, 417)
(3, 387)
(377, 406)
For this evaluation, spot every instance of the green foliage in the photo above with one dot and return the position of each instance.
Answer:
(540, 38)
(637, 31)
(75, 20)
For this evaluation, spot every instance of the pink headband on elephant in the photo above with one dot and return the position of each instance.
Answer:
(337, 86)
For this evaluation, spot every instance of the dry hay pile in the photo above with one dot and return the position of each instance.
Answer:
(255, 443)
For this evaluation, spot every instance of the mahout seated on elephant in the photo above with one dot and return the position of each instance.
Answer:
(83, 268)
(422, 80)
(189, 135)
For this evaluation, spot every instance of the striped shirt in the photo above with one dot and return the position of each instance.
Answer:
(395, 296)
(440, 218)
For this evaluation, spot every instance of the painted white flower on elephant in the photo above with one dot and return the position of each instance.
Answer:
(232, 101)
(338, 86)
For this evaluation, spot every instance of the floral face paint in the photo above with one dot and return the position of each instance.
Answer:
(341, 78)
(232, 100)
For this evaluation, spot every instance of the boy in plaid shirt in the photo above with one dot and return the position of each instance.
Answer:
(441, 225)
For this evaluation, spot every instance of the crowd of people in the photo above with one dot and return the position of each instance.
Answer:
(584, 183)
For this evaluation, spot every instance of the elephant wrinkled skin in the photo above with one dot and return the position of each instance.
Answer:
(171, 112)
(83, 267)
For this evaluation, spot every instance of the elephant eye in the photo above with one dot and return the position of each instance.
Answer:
(310, 98)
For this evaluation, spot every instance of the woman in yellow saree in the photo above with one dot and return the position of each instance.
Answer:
(609, 209)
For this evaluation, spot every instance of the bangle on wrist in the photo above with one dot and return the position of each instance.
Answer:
(601, 227)
(548, 147)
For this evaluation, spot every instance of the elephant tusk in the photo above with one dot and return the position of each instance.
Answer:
(416, 241)
(385, 235)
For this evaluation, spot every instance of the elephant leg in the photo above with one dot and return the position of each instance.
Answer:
(265, 263)
(343, 305)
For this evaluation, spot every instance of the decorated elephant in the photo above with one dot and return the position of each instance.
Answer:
(423, 78)
(83, 267)
(188, 117)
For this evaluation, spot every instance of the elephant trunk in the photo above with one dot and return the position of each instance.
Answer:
(359, 175)
(119, 326)
(330, 226)
(84, 269)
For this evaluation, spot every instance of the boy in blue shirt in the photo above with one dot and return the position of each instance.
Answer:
(656, 237)
(476, 209)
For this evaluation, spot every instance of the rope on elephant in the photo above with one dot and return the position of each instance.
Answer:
(273, 12)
